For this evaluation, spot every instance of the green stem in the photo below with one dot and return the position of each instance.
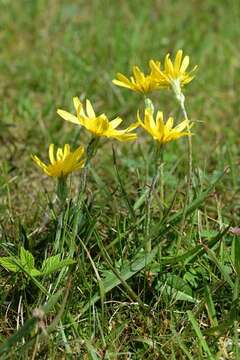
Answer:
(91, 152)
(158, 161)
(62, 190)
(181, 100)
(184, 112)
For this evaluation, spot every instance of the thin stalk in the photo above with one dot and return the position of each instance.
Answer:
(62, 191)
(181, 100)
(91, 151)
(190, 171)
(184, 112)
(158, 161)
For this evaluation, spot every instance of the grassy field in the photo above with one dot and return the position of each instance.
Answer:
(103, 296)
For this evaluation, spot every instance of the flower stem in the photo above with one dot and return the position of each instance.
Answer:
(62, 190)
(181, 100)
(91, 151)
(158, 161)
(184, 112)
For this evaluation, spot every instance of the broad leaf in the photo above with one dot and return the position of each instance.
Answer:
(9, 264)
(54, 263)
(26, 258)
(176, 287)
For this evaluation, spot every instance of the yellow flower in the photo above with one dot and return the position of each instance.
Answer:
(173, 72)
(64, 163)
(98, 125)
(139, 82)
(160, 131)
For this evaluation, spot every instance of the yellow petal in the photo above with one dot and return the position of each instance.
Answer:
(178, 59)
(51, 153)
(185, 64)
(122, 78)
(115, 122)
(77, 103)
(79, 165)
(59, 154)
(89, 109)
(133, 126)
(125, 137)
(68, 116)
(180, 127)
(79, 152)
(168, 64)
(139, 120)
(123, 84)
(66, 150)
(169, 124)
(139, 76)
(159, 122)
(39, 162)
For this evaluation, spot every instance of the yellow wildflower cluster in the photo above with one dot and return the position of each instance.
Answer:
(174, 74)
(158, 78)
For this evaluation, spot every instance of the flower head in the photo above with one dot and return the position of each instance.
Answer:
(139, 82)
(99, 125)
(173, 72)
(64, 163)
(160, 131)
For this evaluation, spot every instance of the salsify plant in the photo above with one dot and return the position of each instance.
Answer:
(173, 75)
(88, 258)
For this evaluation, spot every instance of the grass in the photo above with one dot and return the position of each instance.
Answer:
(112, 300)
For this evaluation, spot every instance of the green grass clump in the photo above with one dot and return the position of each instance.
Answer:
(75, 277)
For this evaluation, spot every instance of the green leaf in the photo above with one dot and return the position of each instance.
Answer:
(9, 264)
(26, 258)
(54, 263)
(177, 288)
(128, 271)
(236, 254)
(35, 272)
(212, 314)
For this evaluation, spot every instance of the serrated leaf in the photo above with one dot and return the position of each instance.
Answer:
(9, 264)
(35, 272)
(26, 258)
(54, 263)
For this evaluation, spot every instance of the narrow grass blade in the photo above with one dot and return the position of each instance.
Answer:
(210, 307)
(129, 270)
(200, 336)
(123, 191)
(91, 351)
(195, 203)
